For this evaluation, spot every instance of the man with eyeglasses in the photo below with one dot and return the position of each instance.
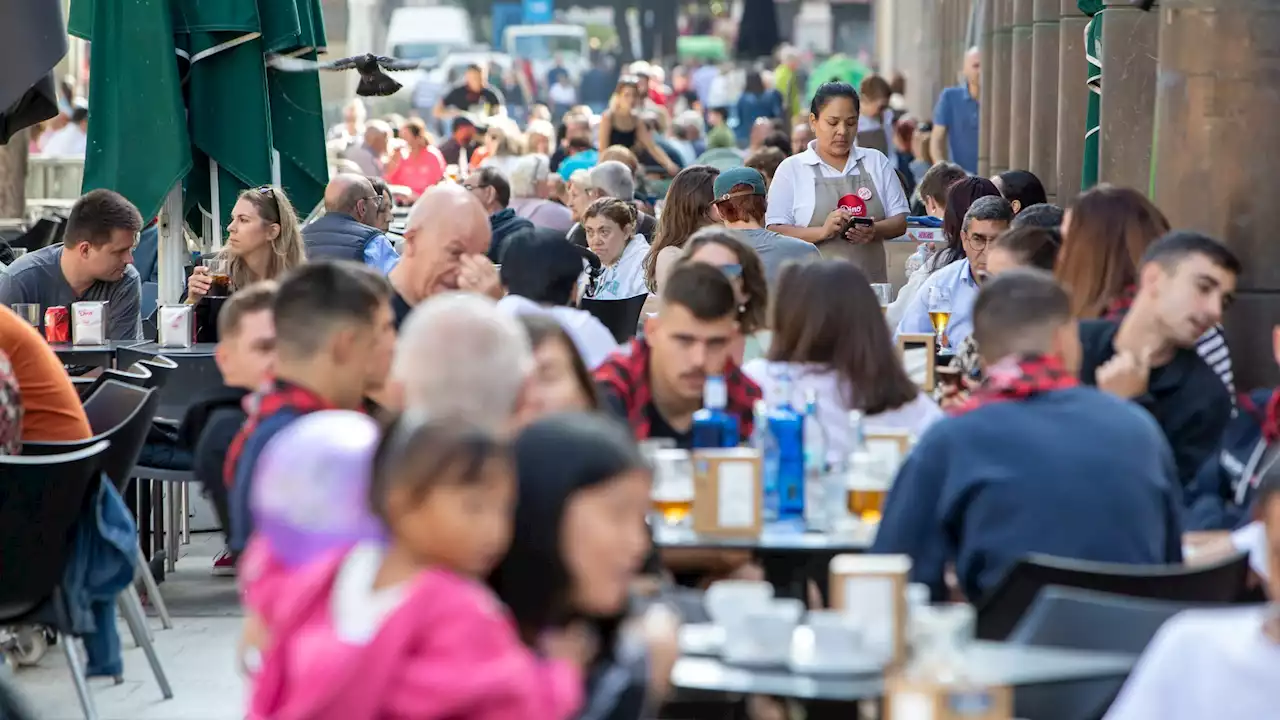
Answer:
(957, 284)
(491, 188)
(347, 229)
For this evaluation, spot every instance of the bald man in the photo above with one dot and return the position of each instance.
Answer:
(445, 244)
(955, 118)
(345, 231)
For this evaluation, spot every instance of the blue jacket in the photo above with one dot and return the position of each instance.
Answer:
(1073, 473)
(241, 516)
(103, 563)
(1219, 498)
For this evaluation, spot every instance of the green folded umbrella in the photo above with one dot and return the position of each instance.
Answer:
(1093, 56)
(180, 91)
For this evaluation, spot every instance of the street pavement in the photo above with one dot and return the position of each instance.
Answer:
(198, 655)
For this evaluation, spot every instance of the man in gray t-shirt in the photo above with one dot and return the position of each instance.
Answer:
(94, 262)
(740, 201)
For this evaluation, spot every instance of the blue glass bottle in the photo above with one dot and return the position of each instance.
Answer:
(787, 427)
(762, 440)
(713, 426)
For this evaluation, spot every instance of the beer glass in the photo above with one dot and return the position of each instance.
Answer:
(672, 492)
(29, 312)
(220, 275)
(939, 304)
(883, 292)
(868, 486)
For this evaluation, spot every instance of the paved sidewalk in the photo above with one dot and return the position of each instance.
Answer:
(198, 655)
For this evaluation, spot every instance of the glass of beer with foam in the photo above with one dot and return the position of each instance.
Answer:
(672, 486)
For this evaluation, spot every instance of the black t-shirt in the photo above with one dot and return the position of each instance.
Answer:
(1185, 397)
(482, 103)
(658, 425)
(399, 308)
(451, 149)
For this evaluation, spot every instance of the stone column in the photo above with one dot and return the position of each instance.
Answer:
(1001, 85)
(1217, 102)
(984, 94)
(1130, 40)
(1073, 100)
(1020, 87)
(1043, 150)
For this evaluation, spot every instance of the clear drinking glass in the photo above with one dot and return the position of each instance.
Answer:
(939, 304)
(883, 292)
(672, 492)
(29, 312)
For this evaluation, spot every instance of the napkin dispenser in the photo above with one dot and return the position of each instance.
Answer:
(728, 492)
(175, 326)
(89, 322)
(874, 589)
(909, 698)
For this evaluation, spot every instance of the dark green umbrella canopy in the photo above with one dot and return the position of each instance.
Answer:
(180, 92)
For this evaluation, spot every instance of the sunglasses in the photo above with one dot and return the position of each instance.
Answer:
(731, 271)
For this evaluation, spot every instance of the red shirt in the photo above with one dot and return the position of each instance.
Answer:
(419, 171)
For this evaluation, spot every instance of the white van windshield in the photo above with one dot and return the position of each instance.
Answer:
(545, 47)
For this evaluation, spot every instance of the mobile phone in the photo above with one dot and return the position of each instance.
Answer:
(855, 221)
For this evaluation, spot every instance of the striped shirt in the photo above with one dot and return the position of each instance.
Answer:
(1212, 348)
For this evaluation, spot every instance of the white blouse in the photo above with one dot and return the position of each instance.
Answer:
(791, 194)
(623, 279)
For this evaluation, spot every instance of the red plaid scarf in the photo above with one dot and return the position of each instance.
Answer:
(1268, 417)
(626, 375)
(281, 396)
(1119, 307)
(1018, 378)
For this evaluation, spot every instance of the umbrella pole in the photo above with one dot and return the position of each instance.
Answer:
(172, 249)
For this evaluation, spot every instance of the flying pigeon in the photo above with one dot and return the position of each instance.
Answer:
(373, 81)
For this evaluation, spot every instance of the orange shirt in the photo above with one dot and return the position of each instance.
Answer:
(51, 407)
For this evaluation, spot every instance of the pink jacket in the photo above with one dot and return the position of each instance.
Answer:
(448, 651)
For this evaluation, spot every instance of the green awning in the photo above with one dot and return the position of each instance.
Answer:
(837, 67)
(179, 89)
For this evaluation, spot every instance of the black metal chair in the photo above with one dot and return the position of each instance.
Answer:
(1086, 620)
(136, 375)
(41, 499)
(121, 414)
(161, 367)
(621, 316)
(1008, 601)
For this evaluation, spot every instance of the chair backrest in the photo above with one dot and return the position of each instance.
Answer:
(1008, 601)
(161, 367)
(41, 499)
(620, 316)
(1087, 620)
(136, 375)
(190, 376)
(122, 414)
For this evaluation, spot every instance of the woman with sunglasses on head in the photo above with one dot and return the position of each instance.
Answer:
(263, 242)
(610, 225)
(723, 249)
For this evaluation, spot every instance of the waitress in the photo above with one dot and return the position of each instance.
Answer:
(816, 195)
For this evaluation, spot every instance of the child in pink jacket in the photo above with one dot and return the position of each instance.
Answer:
(404, 630)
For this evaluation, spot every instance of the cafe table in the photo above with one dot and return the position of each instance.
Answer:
(789, 554)
(103, 355)
(988, 662)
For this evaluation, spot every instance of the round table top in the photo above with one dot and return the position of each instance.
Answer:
(774, 538)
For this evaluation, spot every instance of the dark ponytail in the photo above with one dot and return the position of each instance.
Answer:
(829, 91)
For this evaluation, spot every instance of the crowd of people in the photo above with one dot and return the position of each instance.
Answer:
(1095, 416)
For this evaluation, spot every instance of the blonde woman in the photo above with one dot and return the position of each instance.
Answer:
(540, 137)
(623, 125)
(502, 147)
(263, 242)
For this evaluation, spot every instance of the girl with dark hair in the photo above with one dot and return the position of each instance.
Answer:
(406, 628)
(686, 210)
(829, 336)
(560, 381)
(843, 198)
(1021, 188)
(622, 124)
(580, 538)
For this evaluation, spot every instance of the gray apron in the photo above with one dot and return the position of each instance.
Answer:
(827, 192)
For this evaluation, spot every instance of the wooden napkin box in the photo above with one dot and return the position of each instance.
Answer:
(728, 492)
(874, 587)
(917, 341)
(915, 699)
(889, 446)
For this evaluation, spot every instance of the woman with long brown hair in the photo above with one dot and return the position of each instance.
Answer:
(740, 263)
(829, 336)
(686, 210)
(264, 241)
(1105, 232)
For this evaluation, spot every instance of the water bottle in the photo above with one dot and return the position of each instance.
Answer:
(917, 259)
(762, 440)
(787, 428)
(713, 426)
(815, 466)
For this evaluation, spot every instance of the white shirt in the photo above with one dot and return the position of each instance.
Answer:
(70, 141)
(625, 278)
(563, 94)
(1202, 665)
(791, 195)
(359, 610)
(592, 339)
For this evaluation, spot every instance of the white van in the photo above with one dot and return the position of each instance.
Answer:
(428, 33)
(542, 44)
